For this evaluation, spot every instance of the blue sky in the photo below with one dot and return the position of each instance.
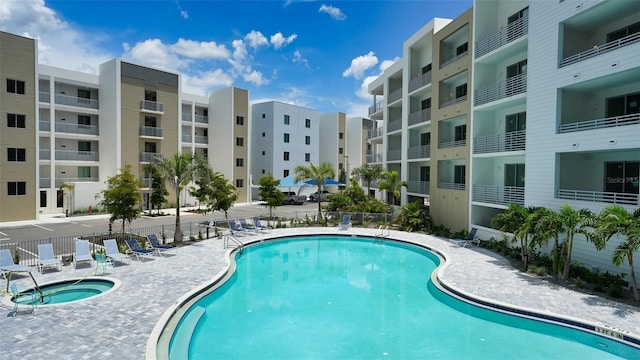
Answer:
(317, 54)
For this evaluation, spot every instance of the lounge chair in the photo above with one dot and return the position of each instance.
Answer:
(156, 245)
(82, 253)
(245, 226)
(103, 261)
(346, 222)
(22, 299)
(46, 258)
(7, 265)
(137, 250)
(235, 230)
(112, 251)
(258, 225)
(471, 239)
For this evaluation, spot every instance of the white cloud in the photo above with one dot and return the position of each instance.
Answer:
(334, 12)
(255, 39)
(299, 59)
(154, 53)
(278, 40)
(386, 63)
(200, 50)
(363, 91)
(183, 13)
(202, 82)
(255, 77)
(361, 64)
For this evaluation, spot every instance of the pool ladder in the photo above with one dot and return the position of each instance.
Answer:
(230, 238)
(383, 234)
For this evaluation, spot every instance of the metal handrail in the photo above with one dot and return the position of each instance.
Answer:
(394, 155)
(451, 186)
(453, 101)
(598, 196)
(150, 131)
(375, 107)
(151, 105)
(76, 128)
(505, 35)
(394, 125)
(420, 81)
(600, 49)
(418, 186)
(395, 95)
(453, 59)
(511, 141)
(419, 116)
(77, 155)
(419, 152)
(501, 195)
(450, 144)
(614, 121)
(76, 101)
(509, 87)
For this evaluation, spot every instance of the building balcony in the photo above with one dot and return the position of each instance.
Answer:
(377, 107)
(598, 196)
(450, 144)
(186, 117)
(374, 158)
(60, 181)
(44, 97)
(451, 186)
(615, 121)
(44, 182)
(186, 138)
(146, 182)
(151, 131)
(600, 49)
(64, 127)
(77, 155)
(417, 186)
(509, 87)
(394, 125)
(453, 101)
(418, 117)
(499, 195)
(76, 101)
(149, 105)
(44, 125)
(419, 152)
(148, 156)
(45, 154)
(199, 139)
(376, 132)
(394, 155)
(202, 119)
(505, 35)
(453, 59)
(511, 141)
(420, 81)
(394, 95)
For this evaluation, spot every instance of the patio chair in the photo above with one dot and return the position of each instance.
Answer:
(103, 261)
(258, 225)
(245, 226)
(137, 250)
(46, 258)
(235, 230)
(112, 251)
(7, 265)
(27, 298)
(471, 239)
(346, 222)
(82, 253)
(156, 245)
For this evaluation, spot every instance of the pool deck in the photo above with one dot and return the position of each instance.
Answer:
(117, 325)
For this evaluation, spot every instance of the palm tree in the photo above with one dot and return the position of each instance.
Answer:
(614, 219)
(548, 226)
(178, 171)
(319, 174)
(516, 220)
(574, 222)
(367, 173)
(391, 183)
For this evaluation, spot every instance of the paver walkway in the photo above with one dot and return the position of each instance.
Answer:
(117, 325)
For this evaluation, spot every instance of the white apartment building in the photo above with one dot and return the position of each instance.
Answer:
(333, 141)
(358, 148)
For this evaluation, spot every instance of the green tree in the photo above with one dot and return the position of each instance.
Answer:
(391, 183)
(516, 220)
(367, 173)
(616, 220)
(222, 194)
(269, 192)
(548, 226)
(158, 191)
(319, 174)
(574, 222)
(122, 197)
(414, 217)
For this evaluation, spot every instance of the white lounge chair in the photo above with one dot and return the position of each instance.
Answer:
(112, 251)
(46, 258)
(7, 265)
(235, 230)
(245, 226)
(346, 222)
(82, 253)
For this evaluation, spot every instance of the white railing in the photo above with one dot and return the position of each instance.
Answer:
(393, 155)
(453, 101)
(394, 125)
(453, 59)
(76, 101)
(420, 116)
(186, 138)
(450, 185)
(202, 119)
(394, 95)
(376, 132)
(501, 195)
(44, 125)
(76, 128)
(148, 156)
(419, 152)
(600, 49)
(45, 154)
(600, 123)
(417, 186)
(151, 106)
(60, 181)
(420, 81)
(77, 155)
(374, 158)
(505, 35)
(44, 97)
(509, 87)
(511, 141)
(598, 196)
(200, 139)
(150, 131)
(450, 144)
(186, 117)
(375, 107)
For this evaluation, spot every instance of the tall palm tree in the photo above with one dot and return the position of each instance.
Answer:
(548, 226)
(516, 219)
(574, 222)
(178, 171)
(319, 174)
(367, 173)
(614, 219)
(391, 182)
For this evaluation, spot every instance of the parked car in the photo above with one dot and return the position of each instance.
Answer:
(323, 196)
(291, 197)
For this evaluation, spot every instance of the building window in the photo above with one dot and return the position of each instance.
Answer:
(515, 122)
(263, 153)
(307, 123)
(286, 137)
(426, 68)
(205, 152)
(16, 188)
(460, 132)
(340, 135)
(150, 95)
(514, 175)
(15, 86)
(619, 34)
(84, 120)
(264, 116)
(239, 120)
(239, 141)
(461, 91)
(239, 162)
(84, 94)
(622, 177)
(307, 157)
(287, 119)
(425, 139)
(285, 173)
(458, 174)
(462, 49)
(425, 104)
(15, 154)
(340, 166)
(264, 134)
(150, 121)
(286, 156)
(43, 198)
(16, 121)
(84, 172)
(307, 140)
(425, 173)
(239, 183)
(340, 151)
(84, 146)
(623, 105)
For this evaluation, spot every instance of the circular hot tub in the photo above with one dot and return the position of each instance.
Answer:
(68, 291)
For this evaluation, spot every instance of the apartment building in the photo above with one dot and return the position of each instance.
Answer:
(358, 149)
(333, 139)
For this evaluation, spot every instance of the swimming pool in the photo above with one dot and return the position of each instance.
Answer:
(349, 297)
(62, 292)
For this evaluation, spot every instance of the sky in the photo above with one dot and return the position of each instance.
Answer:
(316, 54)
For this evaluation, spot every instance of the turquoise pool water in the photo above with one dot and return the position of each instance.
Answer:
(71, 290)
(354, 298)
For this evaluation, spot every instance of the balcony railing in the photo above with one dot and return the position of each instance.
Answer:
(505, 35)
(511, 141)
(76, 128)
(77, 155)
(394, 125)
(376, 132)
(186, 138)
(453, 101)
(76, 101)
(451, 186)
(420, 81)
(44, 126)
(186, 117)
(450, 144)
(394, 95)
(453, 59)
(509, 87)
(45, 154)
(374, 158)
(601, 49)
(419, 152)
(148, 156)
(418, 117)
(375, 107)
(394, 155)
(60, 181)
(501, 195)
(151, 106)
(202, 119)
(44, 182)
(44, 97)
(146, 182)
(417, 186)
(598, 196)
(150, 131)
(201, 139)
(600, 123)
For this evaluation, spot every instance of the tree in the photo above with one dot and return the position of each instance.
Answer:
(514, 220)
(319, 174)
(391, 183)
(122, 197)
(367, 173)
(269, 192)
(574, 222)
(616, 220)
(178, 171)
(414, 217)
(222, 194)
(548, 226)
(158, 191)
